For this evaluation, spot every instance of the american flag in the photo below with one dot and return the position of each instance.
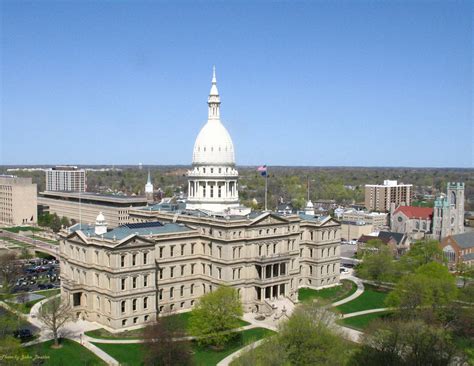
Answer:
(263, 170)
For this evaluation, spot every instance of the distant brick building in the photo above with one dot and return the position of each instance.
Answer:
(459, 248)
(380, 197)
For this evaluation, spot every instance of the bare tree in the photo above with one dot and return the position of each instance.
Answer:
(54, 314)
(162, 343)
(9, 270)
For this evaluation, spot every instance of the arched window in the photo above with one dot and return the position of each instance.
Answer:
(171, 292)
(453, 198)
(181, 291)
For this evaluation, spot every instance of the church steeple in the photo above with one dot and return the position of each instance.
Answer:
(214, 100)
(149, 188)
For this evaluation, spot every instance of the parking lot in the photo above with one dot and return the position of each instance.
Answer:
(37, 274)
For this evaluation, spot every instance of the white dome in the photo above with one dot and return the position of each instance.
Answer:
(213, 145)
(100, 217)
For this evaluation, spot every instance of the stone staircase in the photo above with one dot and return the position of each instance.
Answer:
(282, 307)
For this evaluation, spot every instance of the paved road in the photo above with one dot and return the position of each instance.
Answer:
(348, 250)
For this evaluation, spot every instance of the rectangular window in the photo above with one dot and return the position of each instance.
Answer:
(171, 271)
(171, 250)
(182, 270)
(161, 252)
(182, 249)
(122, 261)
(123, 283)
(192, 268)
(145, 258)
(145, 303)
(134, 282)
(145, 281)
(192, 247)
(134, 260)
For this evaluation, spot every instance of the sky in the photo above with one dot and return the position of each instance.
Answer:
(306, 83)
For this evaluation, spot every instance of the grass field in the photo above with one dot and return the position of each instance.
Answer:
(361, 322)
(330, 294)
(371, 298)
(17, 229)
(26, 307)
(71, 354)
(137, 334)
(132, 354)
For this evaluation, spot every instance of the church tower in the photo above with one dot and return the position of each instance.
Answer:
(455, 194)
(212, 182)
(149, 189)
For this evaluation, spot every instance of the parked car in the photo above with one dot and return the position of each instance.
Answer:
(23, 333)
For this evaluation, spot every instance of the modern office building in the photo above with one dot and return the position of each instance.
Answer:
(17, 201)
(84, 207)
(377, 219)
(381, 197)
(66, 178)
(167, 256)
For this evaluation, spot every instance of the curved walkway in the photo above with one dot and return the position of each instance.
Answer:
(359, 291)
(363, 312)
(226, 361)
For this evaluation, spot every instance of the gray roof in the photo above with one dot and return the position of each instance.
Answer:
(385, 236)
(141, 229)
(465, 240)
(306, 217)
(468, 257)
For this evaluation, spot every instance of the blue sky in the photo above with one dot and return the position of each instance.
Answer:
(360, 83)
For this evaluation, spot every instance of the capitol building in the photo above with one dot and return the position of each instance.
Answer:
(167, 256)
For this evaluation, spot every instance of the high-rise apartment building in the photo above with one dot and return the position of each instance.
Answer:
(379, 197)
(17, 201)
(66, 179)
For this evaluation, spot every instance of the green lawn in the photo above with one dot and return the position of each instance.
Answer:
(71, 354)
(331, 294)
(17, 229)
(26, 307)
(371, 298)
(136, 334)
(362, 321)
(132, 354)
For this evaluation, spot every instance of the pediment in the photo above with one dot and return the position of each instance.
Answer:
(79, 235)
(135, 241)
(268, 218)
(329, 221)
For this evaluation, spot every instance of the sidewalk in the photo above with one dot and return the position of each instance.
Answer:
(359, 291)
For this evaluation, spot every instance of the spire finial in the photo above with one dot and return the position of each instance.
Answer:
(214, 80)
(149, 177)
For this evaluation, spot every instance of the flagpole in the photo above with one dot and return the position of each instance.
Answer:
(266, 188)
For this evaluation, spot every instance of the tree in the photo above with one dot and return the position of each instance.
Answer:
(55, 223)
(161, 347)
(65, 221)
(307, 338)
(422, 252)
(9, 270)
(404, 343)
(377, 262)
(430, 286)
(215, 315)
(54, 314)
